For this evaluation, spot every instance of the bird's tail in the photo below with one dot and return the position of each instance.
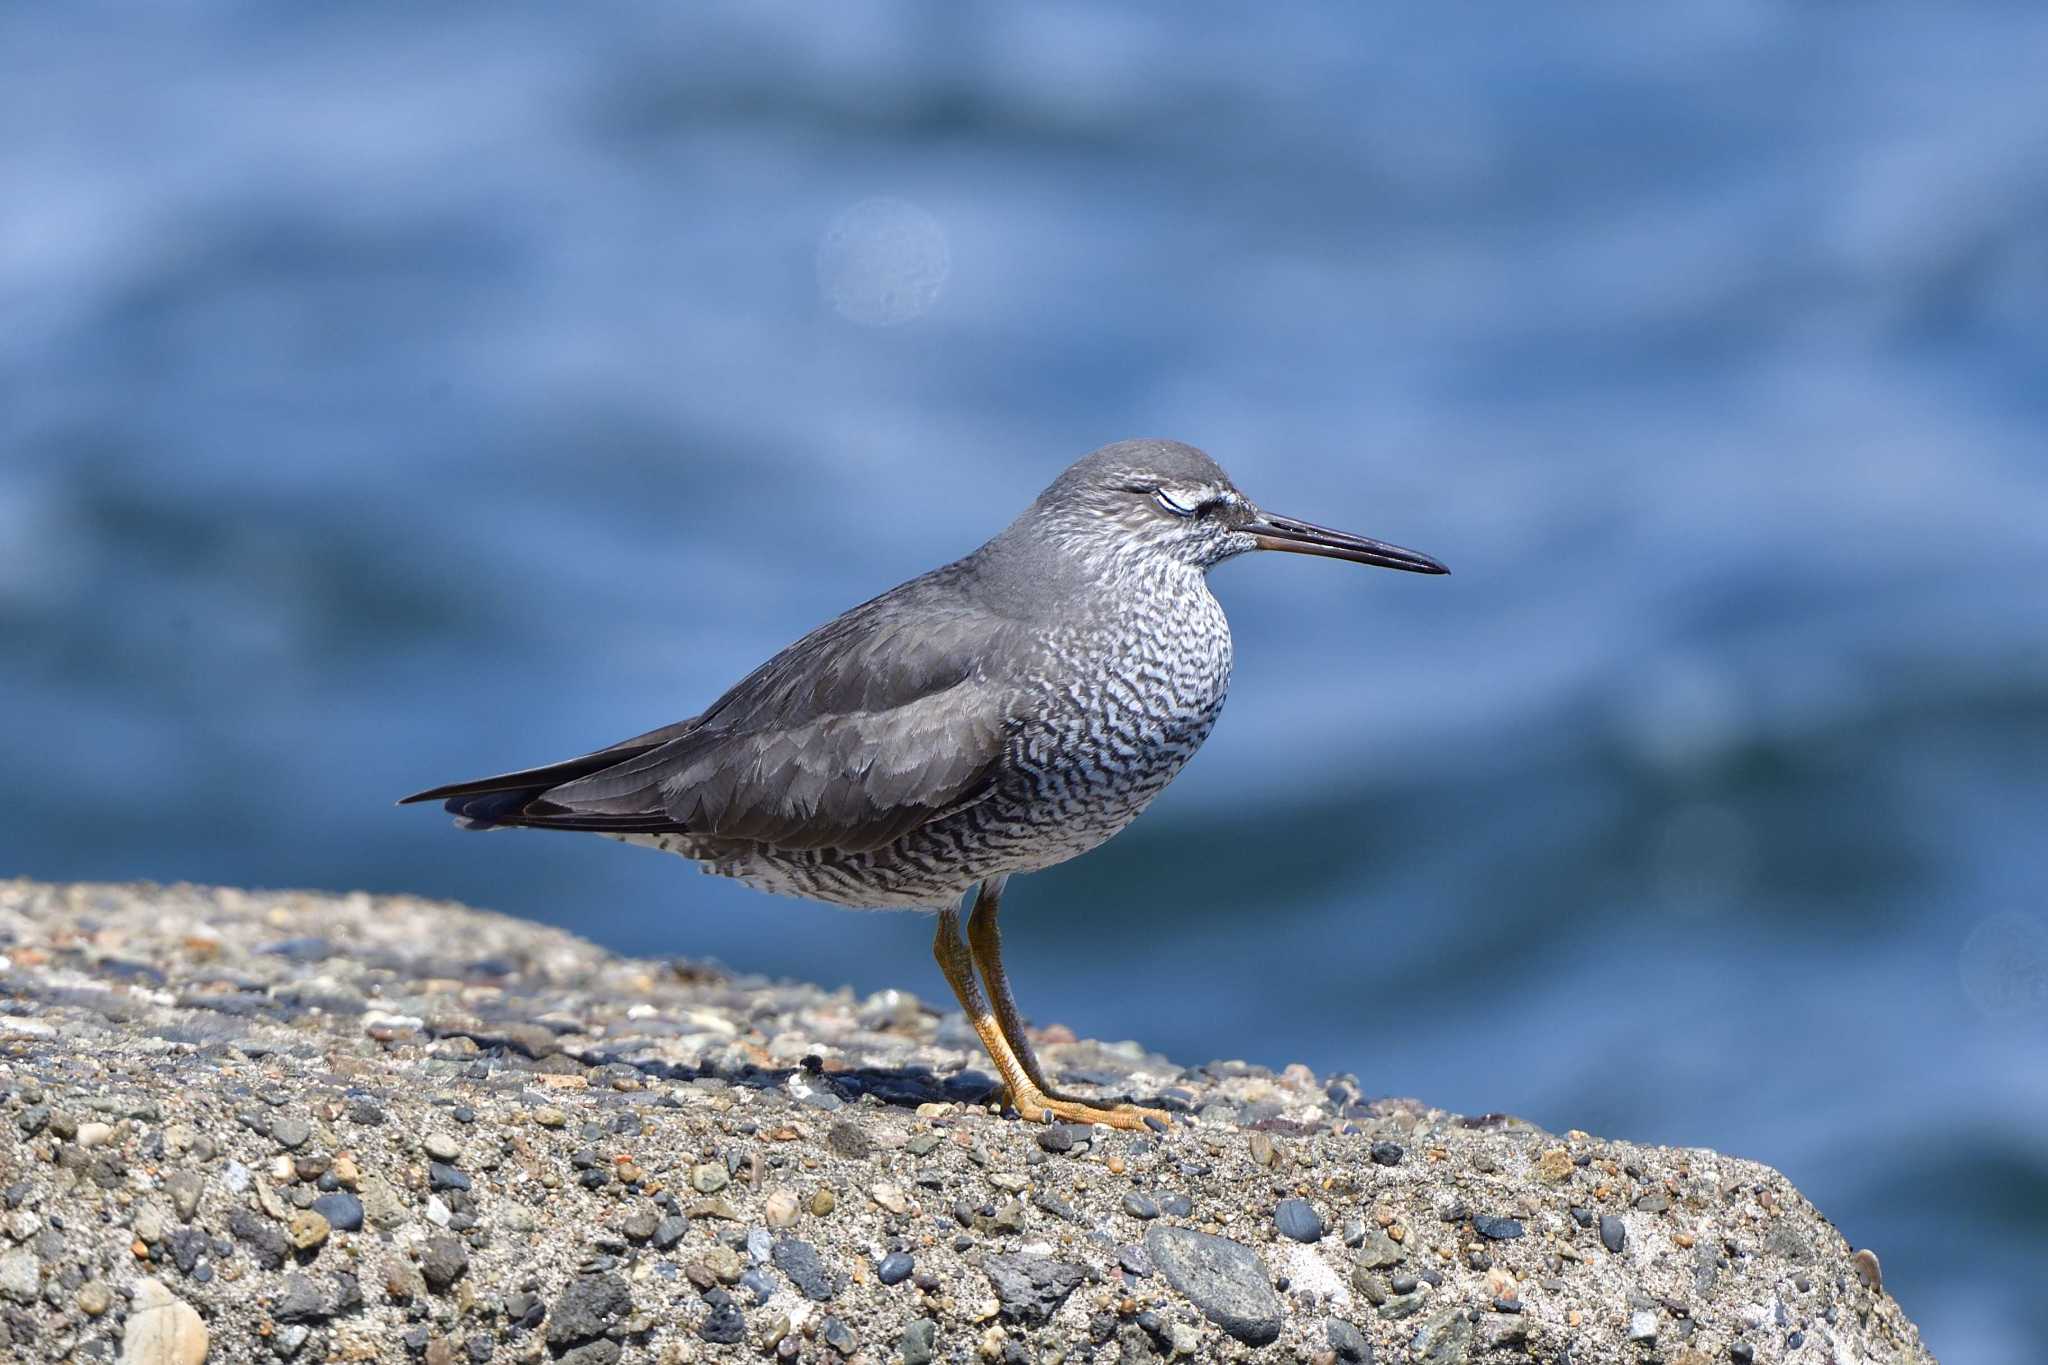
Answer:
(518, 798)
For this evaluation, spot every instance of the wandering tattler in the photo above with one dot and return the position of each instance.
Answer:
(995, 716)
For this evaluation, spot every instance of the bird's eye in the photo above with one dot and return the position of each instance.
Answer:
(1168, 499)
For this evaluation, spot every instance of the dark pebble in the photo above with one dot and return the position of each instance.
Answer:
(442, 1176)
(300, 1302)
(290, 1133)
(1506, 1306)
(1140, 1205)
(1348, 1342)
(1057, 1137)
(1583, 1217)
(1031, 1288)
(670, 1230)
(587, 1307)
(726, 1326)
(1402, 1284)
(1613, 1233)
(1135, 1260)
(1742, 1353)
(895, 1268)
(1495, 1228)
(264, 1239)
(1177, 1206)
(839, 1336)
(1298, 1220)
(1387, 1153)
(342, 1210)
(1795, 1341)
(443, 1261)
(799, 1260)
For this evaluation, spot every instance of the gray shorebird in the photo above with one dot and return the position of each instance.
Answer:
(995, 716)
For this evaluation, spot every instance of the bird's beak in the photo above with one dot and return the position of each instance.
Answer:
(1302, 538)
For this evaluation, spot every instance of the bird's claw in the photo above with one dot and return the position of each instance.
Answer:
(1034, 1106)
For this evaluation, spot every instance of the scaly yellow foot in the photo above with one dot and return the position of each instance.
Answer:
(1035, 1106)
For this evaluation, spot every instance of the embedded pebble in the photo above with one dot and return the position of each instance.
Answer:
(1298, 1220)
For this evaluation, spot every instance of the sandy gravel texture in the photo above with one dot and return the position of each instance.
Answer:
(309, 1127)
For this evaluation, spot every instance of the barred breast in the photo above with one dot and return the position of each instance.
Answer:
(1108, 713)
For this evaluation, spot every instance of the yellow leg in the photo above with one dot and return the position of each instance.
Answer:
(1031, 1094)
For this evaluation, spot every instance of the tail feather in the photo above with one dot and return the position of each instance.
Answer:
(519, 798)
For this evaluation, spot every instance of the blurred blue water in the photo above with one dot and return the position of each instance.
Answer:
(389, 395)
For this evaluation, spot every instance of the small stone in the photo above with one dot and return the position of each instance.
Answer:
(709, 1177)
(799, 1260)
(890, 1197)
(307, 1229)
(342, 1210)
(1555, 1165)
(289, 1132)
(441, 1176)
(184, 1187)
(727, 1325)
(149, 1227)
(918, 1342)
(839, 1336)
(1140, 1205)
(1387, 1153)
(442, 1147)
(1056, 1138)
(1348, 1342)
(1613, 1233)
(639, 1225)
(588, 1307)
(1297, 1220)
(780, 1209)
(669, 1231)
(1494, 1228)
(895, 1268)
(1642, 1325)
(300, 1302)
(1223, 1278)
(94, 1298)
(547, 1116)
(1031, 1288)
(822, 1203)
(443, 1261)
(162, 1329)
(1377, 1251)
(92, 1135)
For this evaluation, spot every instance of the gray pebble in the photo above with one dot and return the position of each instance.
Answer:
(1298, 1220)
(1225, 1279)
(1613, 1233)
(895, 1268)
(798, 1260)
(443, 1261)
(290, 1132)
(1031, 1288)
(1348, 1342)
(918, 1342)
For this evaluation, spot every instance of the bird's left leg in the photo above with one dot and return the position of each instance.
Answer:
(985, 941)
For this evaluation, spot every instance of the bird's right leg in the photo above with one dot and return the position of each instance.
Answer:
(1033, 1097)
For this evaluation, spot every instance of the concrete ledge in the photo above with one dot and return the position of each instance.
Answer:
(295, 1126)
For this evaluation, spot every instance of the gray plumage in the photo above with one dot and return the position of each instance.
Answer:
(1000, 714)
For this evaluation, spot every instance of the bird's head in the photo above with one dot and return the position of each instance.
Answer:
(1154, 497)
